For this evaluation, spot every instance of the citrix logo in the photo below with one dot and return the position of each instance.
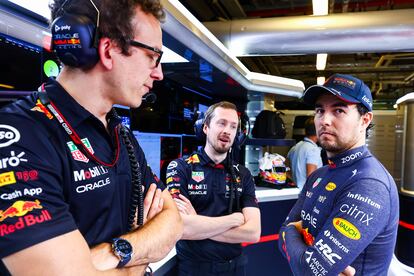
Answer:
(356, 213)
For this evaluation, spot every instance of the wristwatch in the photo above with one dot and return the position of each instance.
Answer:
(123, 250)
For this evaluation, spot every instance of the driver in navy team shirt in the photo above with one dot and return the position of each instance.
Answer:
(72, 177)
(346, 218)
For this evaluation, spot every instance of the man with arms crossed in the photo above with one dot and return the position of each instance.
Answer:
(346, 218)
(216, 199)
(67, 205)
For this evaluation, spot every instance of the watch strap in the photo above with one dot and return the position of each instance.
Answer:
(123, 262)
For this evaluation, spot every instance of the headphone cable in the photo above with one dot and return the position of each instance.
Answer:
(137, 197)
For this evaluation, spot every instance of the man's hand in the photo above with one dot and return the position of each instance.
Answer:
(349, 271)
(238, 218)
(153, 202)
(184, 205)
(297, 224)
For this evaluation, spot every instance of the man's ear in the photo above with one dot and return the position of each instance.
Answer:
(367, 119)
(205, 129)
(106, 49)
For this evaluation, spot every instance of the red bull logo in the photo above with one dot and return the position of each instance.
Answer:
(19, 209)
(193, 159)
(175, 192)
(23, 222)
(41, 108)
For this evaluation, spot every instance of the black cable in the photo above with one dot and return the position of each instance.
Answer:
(233, 189)
(137, 196)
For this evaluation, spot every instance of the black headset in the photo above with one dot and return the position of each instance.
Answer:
(239, 139)
(75, 38)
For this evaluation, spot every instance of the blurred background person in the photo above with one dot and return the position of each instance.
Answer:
(304, 157)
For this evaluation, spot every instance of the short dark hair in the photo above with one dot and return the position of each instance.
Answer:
(310, 129)
(115, 16)
(210, 111)
(362, 110)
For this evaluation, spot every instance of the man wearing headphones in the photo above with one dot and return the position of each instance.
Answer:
(72, 186)
(305, 157)
(216, 199)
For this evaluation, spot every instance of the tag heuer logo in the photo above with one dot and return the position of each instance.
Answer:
(197, 176)
(76, 153)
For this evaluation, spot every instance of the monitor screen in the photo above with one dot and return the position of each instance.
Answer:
(202, 108)
(188, 113)
(126, 121)
(24, 66)
(125, 113)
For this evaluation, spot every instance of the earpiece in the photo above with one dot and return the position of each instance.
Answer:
(198, 128)
(75, 39)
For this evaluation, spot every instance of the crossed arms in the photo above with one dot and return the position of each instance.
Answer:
(234, 228)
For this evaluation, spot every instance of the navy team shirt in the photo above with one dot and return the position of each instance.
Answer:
(48, 187)
(350, 211)
(206, 185)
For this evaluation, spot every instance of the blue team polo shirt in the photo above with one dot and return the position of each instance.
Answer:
(206, 185)
(48, 187)
(350, 209)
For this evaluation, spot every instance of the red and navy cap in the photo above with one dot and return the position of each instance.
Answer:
(345, 87)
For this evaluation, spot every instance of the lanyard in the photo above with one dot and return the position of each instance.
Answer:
(137, 197)
(44, 99)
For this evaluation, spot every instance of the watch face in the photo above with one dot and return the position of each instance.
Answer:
(123, 247)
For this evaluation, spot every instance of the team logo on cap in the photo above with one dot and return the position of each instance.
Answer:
(344, 82)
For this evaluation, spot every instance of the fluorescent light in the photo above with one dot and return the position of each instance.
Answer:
(320, 7)
(185, 28)
(273, 81)
(6, 86)
(406, 98)
(41, 7)
(320, 80)
(170, 56)
(321, 61)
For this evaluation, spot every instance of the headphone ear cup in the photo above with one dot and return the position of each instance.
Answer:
(73, 40)
(242, 132)
(198, 128)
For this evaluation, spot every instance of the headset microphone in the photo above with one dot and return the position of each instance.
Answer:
(150, 97)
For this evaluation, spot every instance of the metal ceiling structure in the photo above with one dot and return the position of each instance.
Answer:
(388, 70)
